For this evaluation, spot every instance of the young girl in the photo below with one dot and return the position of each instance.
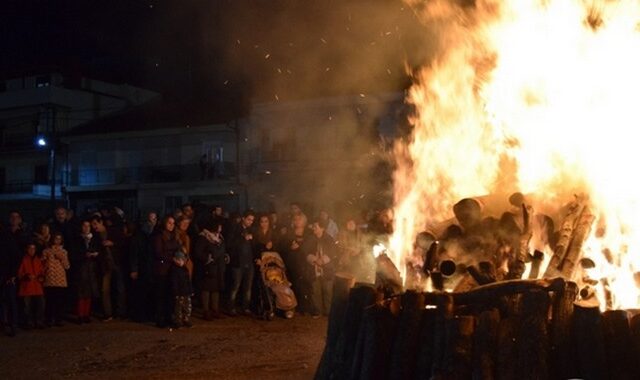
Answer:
(31, 275)
(56, 263)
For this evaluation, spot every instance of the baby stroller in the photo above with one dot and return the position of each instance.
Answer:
(275, 289)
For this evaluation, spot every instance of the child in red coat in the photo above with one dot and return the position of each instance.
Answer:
(31, 275)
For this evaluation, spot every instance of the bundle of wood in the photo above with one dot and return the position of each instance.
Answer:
(517, 329)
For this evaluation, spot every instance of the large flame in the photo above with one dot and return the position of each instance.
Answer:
(537, 96)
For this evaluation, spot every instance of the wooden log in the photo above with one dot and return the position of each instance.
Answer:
(484, 273)
(536, 260)
(495, 290)
(561, 358)
(517, 264)
(360, 297)
(635, 345)
(533, 336)
(574, 252)
(485, 345)
(426, 349)
(373, 348)
(618, 344)
(587, 342)
(406, 341)
(574, 210)
(342, 284)
(457, 349)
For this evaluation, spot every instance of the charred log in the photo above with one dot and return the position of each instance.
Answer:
(587, 342)
(617, 343)
(485, 345)
(406, 341)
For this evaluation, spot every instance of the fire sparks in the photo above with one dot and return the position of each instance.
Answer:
(531, 96)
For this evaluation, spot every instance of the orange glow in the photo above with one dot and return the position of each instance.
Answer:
(532, 96)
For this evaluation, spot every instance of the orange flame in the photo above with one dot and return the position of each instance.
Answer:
(532, 96)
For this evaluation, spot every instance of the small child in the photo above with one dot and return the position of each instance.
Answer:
(31, 275)
(181, 291)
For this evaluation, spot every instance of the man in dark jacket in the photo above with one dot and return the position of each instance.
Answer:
(9, 263)
(141, 274)
(211, 256)
(321, 254)
(242, 262)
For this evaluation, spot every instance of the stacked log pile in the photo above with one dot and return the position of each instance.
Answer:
(500, 327)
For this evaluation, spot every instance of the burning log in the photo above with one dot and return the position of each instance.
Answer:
(387, 275)
(517, 266)
(342, 284)
(484, 273)
(574, 231)
(406, 341)
(536, 260)
(617, 343)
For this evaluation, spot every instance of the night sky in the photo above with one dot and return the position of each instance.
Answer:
(227, 53)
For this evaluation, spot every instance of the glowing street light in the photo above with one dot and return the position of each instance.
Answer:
(41, 141)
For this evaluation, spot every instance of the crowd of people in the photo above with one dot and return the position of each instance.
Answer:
(103, 265)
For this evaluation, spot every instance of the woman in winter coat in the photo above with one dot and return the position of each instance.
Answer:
(56, 264)
(31, 276)
(165, 245)
(182, 232)
(86, 249)
(210, 252)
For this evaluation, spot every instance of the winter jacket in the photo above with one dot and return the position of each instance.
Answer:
(211, 256)
(321, 255)
(240, 249)
(56, 263)
(31, 275)
(165, 245)
(85, 267)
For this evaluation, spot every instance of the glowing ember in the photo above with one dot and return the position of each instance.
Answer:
(532, 96)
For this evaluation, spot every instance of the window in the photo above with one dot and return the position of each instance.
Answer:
(43, 81)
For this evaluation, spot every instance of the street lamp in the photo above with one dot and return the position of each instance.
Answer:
(41, 141)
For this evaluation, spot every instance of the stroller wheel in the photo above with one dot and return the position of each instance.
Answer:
(288, 314)
(269, 316)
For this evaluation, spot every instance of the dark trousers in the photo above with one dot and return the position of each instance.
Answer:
(113, 280)
(241, 277)
(33, 309)
(142, 292)
(322, 291)
(210, 301)
(9, 305)
(163, 299)
(55, 304)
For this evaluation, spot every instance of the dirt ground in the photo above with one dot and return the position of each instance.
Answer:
(230, 348)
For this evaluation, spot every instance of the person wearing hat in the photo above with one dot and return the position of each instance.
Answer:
(181, 290)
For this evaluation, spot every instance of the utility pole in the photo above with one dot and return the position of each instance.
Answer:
(52, 158)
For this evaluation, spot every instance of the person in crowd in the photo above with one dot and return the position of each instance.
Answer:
(217, 214)
(350, 247)
(242, 262)
(332, 226)
(150, 223)
(140, 272)
(181, 291)
(86, 249)
(321, 257)
(42, 238)
(294, 209)
(62, 223)
(182, 233)
(31, 275)
(18, 230)
(112, 276)
(295, 260)
(56, 263)
(382, 224)
(263, 239)
(211, 254)
(165, 244)
(9, 265)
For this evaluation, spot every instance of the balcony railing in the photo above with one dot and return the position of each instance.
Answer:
(148, 174)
